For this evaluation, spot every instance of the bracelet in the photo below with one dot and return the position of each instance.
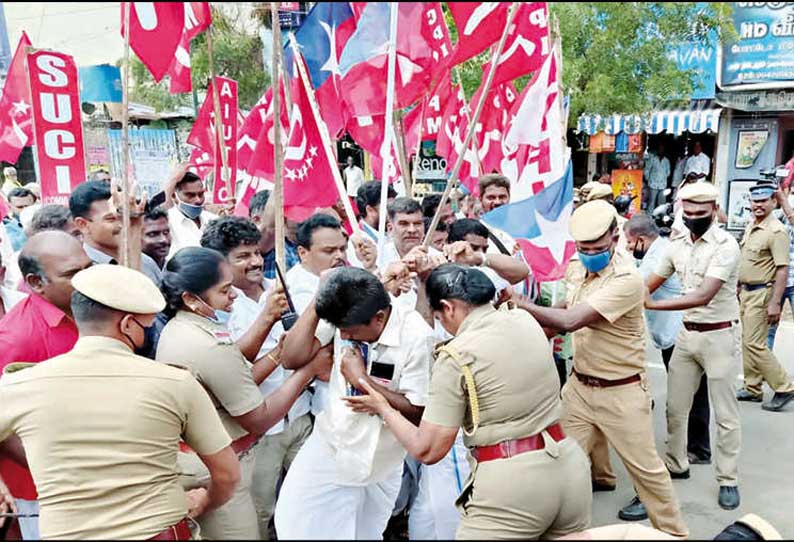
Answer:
(272, 359)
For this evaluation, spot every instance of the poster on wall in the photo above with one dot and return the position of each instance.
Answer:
(628, 182)
(763, 54)
(153, 156)
(739, 212)
(748, 147)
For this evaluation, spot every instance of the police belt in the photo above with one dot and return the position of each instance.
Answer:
(692, 326)
(754, 287)
(180, 531)
(510, 448)
(596, 382)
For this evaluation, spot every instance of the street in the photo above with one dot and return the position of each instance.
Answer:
(765, 466)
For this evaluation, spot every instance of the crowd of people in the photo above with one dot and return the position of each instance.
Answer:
(203, 390)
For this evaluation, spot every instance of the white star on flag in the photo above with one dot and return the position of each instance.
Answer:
(313, 151)
(554, 234)
(290, 174)
(310, 162)
(304, 171)
(21, 107)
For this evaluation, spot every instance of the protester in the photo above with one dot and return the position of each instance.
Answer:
(430, 205)
(698, 163)
(440, 235)
(88, 426)
(198, 288)
(354, 177)
(156, 239)
(368, 203)
(494, 193)
(763, 272)
(97, 216)
(263, 213)
(18, 199)
(488, 354)
(475, 235)
(187, 218)
(54, 217)
(345, 479)
(10, 181)
(656, 174)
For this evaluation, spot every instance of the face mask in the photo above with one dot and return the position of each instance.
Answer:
(190, 211)
(145, 333)
(595, 262)
(639, 253)
(698, 226)
(219, 316)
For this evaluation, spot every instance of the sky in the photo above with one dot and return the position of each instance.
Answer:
(88, 31)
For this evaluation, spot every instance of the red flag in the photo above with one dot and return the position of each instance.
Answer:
(393, 172)
(200, 162)
(261, 163)
(250, 129)
(412, 127)
(54, 92)
(197, 19)
(16, 121)
(527, 44)
(155, 32)
(493, 124)
(449, 143)
(479, 24)
(435, 104)
(307, 173)
(367, 132)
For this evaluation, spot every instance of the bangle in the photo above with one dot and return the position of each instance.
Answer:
(272, 359)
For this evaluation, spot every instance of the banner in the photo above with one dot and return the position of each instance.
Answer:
(628, 182)
(227, 98)
(763, 56)
(54, 91)
(153, 156)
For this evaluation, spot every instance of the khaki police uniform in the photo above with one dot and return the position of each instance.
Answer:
(497, 380)
(207, 350)
(609, 389)
(101, 426)
(709, 341)
(765, 247)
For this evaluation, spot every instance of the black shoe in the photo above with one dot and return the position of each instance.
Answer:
(778, 401)
(679, 475)
(598, 486)
(729, 497)
(695, 459)
(744, 395)
(634, 511)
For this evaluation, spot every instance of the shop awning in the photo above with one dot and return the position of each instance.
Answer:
(672, 121)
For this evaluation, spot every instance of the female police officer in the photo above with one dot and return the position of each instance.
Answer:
(497, 380)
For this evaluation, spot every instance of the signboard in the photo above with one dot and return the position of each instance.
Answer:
(56, 124)
(227, 97)
(763, 56)
(427, 165)
(757, 100)
(628, 182)
(153, 155)
(702, 59)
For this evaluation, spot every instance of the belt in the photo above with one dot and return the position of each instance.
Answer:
(691, 326)
(596, 382)
(510, 448)
(754, 287)
(180, 531)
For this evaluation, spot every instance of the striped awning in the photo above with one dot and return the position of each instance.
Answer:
(675, 122)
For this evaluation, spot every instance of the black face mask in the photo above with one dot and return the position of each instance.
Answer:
(137, 349)
(639, 253)
(698, 226)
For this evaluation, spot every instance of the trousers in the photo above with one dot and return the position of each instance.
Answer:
(698, 439)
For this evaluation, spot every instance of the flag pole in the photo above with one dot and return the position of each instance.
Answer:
(453, 177)
(219, 143)
(399, 143)
(125, 145)
(327, 143)
(456, 69)
(416, 153)
(278, 179)
(385, 150)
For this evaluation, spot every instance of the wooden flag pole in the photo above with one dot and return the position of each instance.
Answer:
(327, 143)
(453, 177)
(125, 145)
(402, 157)
(278, 180)
(219, 143)
(385, 150)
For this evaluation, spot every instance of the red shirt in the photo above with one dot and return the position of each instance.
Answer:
(33, 331)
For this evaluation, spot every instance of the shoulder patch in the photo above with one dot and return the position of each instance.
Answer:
(222, 336)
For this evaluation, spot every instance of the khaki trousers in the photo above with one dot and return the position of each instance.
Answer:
(601, 467)
(717, 354)
(274, 455)
(623, 414)
(535, 495)
(760, 363)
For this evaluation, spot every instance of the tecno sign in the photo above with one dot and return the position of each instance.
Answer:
(54, 91)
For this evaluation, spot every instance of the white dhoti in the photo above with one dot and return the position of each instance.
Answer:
(313, 505)
(433, 515)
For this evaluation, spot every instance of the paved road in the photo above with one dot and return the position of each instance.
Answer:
(766, 464)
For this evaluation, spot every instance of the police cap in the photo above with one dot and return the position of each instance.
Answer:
(119, 288)
(592, 220)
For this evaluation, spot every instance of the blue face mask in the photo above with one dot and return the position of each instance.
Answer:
(595, 262)
(190, 211)
(220, 317)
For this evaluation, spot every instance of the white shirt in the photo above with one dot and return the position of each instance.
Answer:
(13, 275)
(244, 313)
(184, 232)
(390, 255)
(11, 297)
(354, 176)
(697, 163)
(657, 170)
(663, 326)
(366, 451)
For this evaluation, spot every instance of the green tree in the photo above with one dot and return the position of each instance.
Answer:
(236, 54)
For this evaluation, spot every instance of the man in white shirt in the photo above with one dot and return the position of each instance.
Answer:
(346, 478)
(494, 193)
(187, 218)
(656, 173)
(354, 177)
(698, 163)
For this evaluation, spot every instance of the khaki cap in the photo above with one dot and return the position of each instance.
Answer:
(599, 191)
(592, 220)
(119, 288)
(587, 187)
(760, 526)
(700, 192)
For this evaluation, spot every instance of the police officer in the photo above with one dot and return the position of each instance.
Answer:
(705, 258)
(763, 271)
(101, 426)
(608, 391)
(496, 379)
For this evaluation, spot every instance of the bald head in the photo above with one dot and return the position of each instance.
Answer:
(48, 262)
